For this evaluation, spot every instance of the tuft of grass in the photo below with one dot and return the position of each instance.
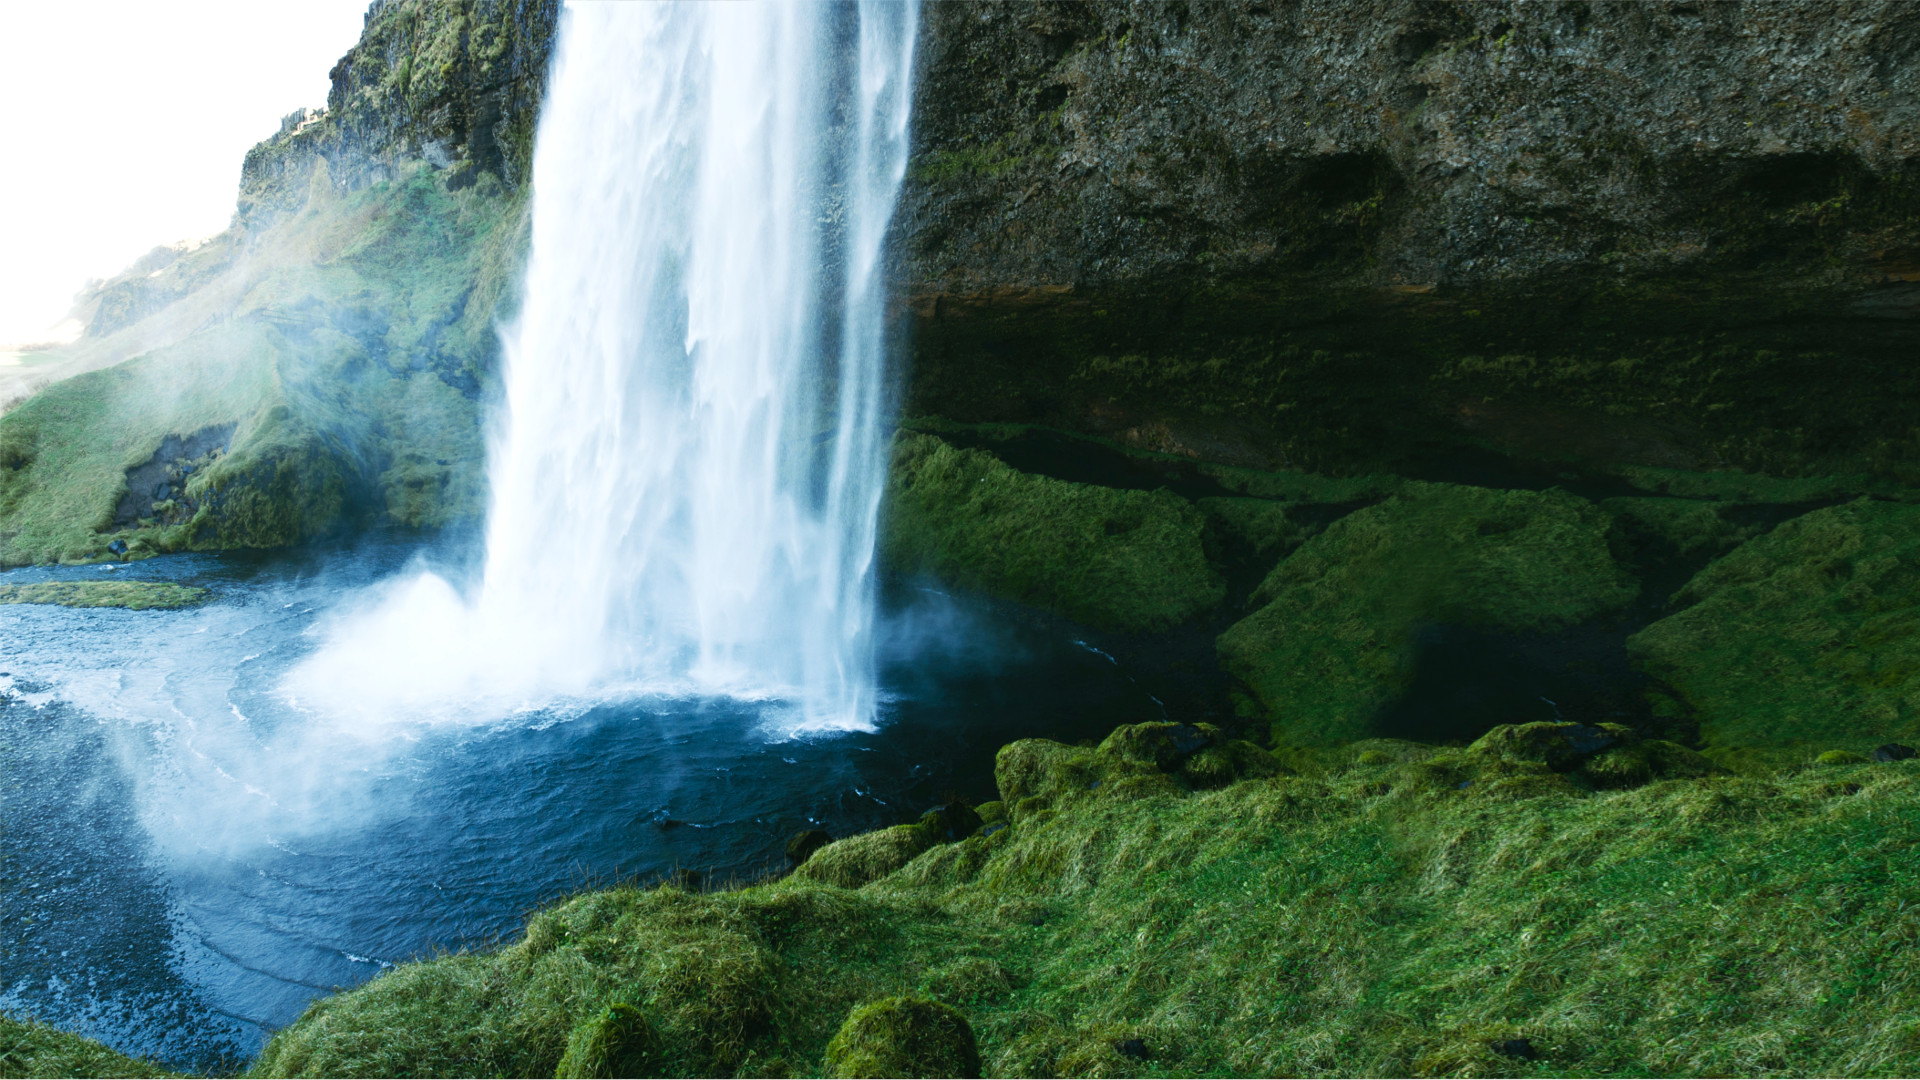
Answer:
(1356, 916)
(904, 1036)
(29, 1049)
(615, 1041)
(1802, 640)
(1329, 645)
(1115, 559)
(133, 595)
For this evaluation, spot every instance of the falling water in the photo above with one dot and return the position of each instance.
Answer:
(687, 476)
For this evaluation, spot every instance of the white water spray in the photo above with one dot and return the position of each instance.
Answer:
(687, 479)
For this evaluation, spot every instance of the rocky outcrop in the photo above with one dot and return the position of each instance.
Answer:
(1332, 236)
(455, 85)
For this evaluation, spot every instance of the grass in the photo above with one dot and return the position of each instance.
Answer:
(133, 595)
(1350, 916)
(28, 1049)
(1126, 560)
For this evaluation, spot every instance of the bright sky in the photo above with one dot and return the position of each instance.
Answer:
(123, 125)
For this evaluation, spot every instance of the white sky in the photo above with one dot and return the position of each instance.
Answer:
(123, 125)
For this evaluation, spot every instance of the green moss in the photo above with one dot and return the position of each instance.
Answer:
(616, 1041)
(134, 595)
(1332, 643)
(28, 1049)
(1128, 560)
(904, 1036)
(1841, 757)
(1802, 640)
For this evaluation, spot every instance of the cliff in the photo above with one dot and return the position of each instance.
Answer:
(1342, 236)
(323, 364)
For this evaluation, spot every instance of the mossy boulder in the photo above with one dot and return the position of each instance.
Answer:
(617, 1041)
(904, 1036)
(868, 857)
(1114, 559)
(1331, 643)
(1805, 639)
(1137, 760)
(1531, 760)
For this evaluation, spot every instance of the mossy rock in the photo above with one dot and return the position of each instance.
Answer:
(1136, 761)
(1265, 529)
(1692, 528)
(1333, 642)
(132, 595)
(1530, 760)
(1114, 559)
(1841, 757)
(1806, 638)
(868, 857)
(904, 1036)
(617, 1041)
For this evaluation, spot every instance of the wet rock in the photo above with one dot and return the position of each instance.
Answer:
(1515, 1048)
(1893, 752)
(118, 547)
(803, 844)
(955, 821)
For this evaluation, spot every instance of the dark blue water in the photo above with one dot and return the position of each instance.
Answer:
(186, 861)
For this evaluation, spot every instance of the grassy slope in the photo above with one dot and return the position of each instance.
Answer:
(323, 340)
(31, 1050)
(1362, 920)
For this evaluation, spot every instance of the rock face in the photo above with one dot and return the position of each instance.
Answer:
(455, 85)
(1335, 235)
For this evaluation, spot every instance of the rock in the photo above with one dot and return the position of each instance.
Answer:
(904, 1036)
(118, 547)
(1133, 1048)
(803, 844)
(1842, 757)
(955, 821)
(1514, 1048)
(1893, 752)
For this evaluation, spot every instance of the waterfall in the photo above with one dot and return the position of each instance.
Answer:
(687, 473)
